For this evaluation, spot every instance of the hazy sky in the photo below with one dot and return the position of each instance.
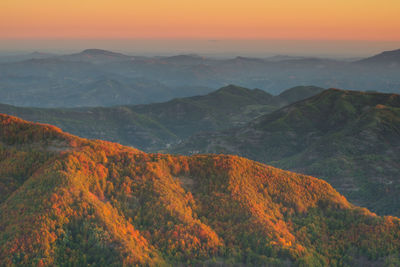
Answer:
(343, 22)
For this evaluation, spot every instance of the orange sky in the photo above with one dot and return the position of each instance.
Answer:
(264, 19)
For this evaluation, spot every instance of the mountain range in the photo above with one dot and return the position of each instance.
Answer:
(97, 77)
(71, 201)
(350, 139)
(154, 127)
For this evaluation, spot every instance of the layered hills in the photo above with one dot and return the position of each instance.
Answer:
(350, 139)
(96, 77)
(72, 201)
(153, 127)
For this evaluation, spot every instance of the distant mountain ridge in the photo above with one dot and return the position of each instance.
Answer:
(154, 126)
(71, 201)
(71, 80)
(97, 56)
(94, 51)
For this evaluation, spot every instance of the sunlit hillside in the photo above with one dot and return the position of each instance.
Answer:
(67, 200)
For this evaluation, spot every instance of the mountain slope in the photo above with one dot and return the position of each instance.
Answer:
(151, 127)
(351, 139)
(74, 201)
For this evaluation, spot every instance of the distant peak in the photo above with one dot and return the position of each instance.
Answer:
(101, 52)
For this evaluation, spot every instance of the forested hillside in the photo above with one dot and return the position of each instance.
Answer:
(72, 201)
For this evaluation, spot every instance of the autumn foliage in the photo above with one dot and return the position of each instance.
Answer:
(71, 201)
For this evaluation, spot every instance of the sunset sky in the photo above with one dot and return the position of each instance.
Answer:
(373, 20)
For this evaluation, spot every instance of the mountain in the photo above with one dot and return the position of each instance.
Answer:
(229, 106)
(97, 56)
(350, 139)
(72, 201)
(153, 127)
(388, 58)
